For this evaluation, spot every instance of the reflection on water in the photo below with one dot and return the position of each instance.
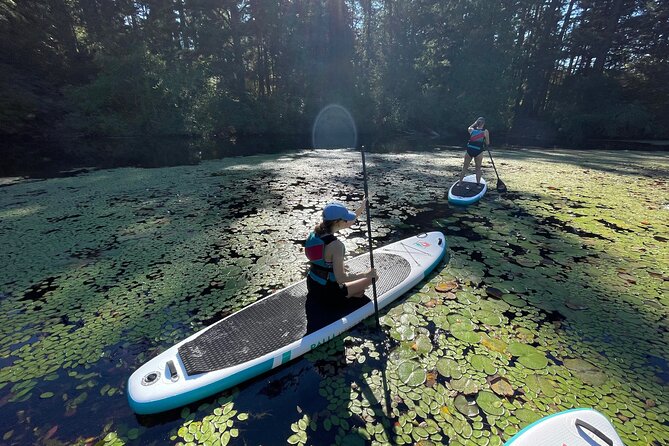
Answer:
(48, 160)
(44, 159)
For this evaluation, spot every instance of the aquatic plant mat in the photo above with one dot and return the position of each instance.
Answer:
(554, 295)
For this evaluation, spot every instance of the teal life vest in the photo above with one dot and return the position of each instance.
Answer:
(476, 139)
(314, 248)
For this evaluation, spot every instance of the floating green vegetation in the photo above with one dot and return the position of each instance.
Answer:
(555, 295)
(217, 428)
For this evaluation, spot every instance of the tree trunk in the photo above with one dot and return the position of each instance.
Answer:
(611, 26)
(239, 70)
(183, 25)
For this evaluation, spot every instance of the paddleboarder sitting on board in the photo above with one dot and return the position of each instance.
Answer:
(327, 277)
(478, 139)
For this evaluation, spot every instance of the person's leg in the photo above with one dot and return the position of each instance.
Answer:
(468, 159)
(478, 160)
(356, 288)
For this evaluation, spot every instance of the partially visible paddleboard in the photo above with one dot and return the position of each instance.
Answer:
(467, 191)
(576, 427)
(274, 330)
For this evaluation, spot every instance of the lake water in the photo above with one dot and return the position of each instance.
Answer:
(553, 296)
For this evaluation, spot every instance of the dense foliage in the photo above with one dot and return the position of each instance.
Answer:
(553, 69)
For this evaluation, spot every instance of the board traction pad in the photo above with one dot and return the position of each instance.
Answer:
(466, 189)
(281, 319)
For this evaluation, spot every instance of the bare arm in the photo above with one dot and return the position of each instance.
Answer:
(361, 209)
(340, 273)
(487, 138)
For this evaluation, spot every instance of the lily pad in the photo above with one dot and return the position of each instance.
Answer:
(578, 364)
(468, 336)
(422, 344)
(575, 305)
(490, 403)
(466, 407)
(541, 385)
(462, 328)
(534, 361)
(528, 356)
(489, 318)
(449, 368)
(496, 345)
(445, 287)
(465, 385)
(526, 416)
(411, 373)
(483, 363)
(586, 372)
(520, 349)
(514, 300)
(403, 333)
(501, 386)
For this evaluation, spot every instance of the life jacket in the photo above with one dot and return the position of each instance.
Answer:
(314, 248)
(476, 139)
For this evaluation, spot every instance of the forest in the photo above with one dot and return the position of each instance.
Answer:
(564, 71)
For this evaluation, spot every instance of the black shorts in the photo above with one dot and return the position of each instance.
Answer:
(332, 290)
(473, 151)
(328, 303)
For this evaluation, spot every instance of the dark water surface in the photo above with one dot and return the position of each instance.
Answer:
(48, 159)
(44, 159)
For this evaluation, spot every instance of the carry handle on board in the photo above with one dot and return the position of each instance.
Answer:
(594, 430)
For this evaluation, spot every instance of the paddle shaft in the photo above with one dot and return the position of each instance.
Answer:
(386, 388)
(501, 187)
(493, 163)
(369, 236)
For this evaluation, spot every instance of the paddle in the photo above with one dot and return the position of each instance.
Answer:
(335, 127)
(386, 388)
(369, 235)
(501, 187)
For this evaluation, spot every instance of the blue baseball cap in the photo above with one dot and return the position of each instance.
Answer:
(337, 211)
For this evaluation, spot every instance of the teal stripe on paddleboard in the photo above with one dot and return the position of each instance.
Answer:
(285, 357)
(436, 262)
(201, 392)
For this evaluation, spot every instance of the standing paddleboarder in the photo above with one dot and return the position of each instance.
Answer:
(327, 277)
(479, 138)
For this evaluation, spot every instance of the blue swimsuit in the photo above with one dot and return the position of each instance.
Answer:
(476, 143)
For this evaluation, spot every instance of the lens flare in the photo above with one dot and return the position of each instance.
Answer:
(334, 128)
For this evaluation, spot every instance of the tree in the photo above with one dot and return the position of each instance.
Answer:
(215, 67)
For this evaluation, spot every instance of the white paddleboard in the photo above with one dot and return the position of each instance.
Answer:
(467, 191)
(576, 427)
(274, 330)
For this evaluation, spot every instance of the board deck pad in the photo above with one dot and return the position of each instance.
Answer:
(467, 189)
(280, 319)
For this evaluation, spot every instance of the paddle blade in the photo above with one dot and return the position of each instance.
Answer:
(501, 187)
